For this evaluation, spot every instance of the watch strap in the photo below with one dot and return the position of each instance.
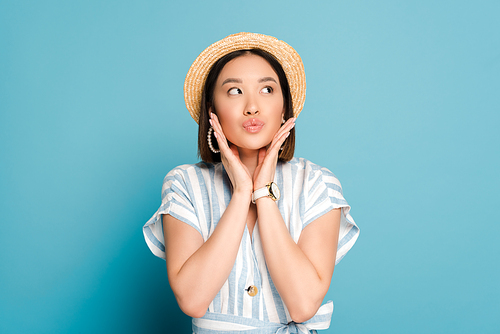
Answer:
(261, 192)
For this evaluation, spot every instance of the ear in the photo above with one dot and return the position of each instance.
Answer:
(211, 110)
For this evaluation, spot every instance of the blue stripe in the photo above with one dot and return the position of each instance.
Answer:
(232, 276)
(352, 232)
(153, 239)
(277, 299)
(189, 189)
(313, 218)
(264, 310)
(256, 301)
(232, 288)
(214, 198)
(326, 172)
(183, 219)
(244, 273)
(293, 171)
(318, 182)
(198, 330)
(280, 182)
(321, 198)
(227, 186)
(302, 209)
(334, 186)
(166, 206)
(217, 302)
(338, 201)
(216, 320)
(177, 182)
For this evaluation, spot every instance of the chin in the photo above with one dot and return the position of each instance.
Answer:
(252, 147)
(252, 142)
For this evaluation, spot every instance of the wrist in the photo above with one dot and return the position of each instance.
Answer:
(242, 192)
(259, 186)
(270, 190)
(264, 199)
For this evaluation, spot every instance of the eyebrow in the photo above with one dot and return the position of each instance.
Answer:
(236, 80)
(265, 79)
(231, 80)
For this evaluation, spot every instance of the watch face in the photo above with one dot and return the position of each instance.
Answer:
(275, 191)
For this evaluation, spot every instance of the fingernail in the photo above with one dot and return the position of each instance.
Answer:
(293, 125)
(210, 121)
(287, 135)
(215, 134)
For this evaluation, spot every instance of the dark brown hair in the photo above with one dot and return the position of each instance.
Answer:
(207, 101)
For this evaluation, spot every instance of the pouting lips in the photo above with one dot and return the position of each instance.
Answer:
(253, 125)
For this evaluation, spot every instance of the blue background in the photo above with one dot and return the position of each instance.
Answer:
(402, 105)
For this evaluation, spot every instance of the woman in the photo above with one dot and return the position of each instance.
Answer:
(250, 235)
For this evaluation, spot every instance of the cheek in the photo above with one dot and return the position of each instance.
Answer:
(225, 107)
(227, 125)
(278, 106)
(278, 111)
(229, 114)
(228, 122)
(276, 126)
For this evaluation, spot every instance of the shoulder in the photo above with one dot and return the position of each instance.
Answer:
(186, 174)
(191, 168)
(309, 176)
(307, 168)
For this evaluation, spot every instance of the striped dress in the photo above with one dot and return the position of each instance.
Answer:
(198, 195)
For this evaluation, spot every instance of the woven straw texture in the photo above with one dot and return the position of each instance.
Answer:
(284, 53)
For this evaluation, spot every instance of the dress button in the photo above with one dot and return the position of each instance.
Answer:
(252, 290)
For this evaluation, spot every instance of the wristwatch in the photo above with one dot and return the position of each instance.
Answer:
(271, 190)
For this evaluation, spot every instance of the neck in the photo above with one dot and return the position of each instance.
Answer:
(250, 158)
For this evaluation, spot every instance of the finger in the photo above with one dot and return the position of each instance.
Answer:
(288, 123)
(281, 136)
(234, 149)
(218, 133)
(269, 157)
(285, 128)
(214, 122)
(218, 128)
(229, 154)
(262, 155)
(272, 151)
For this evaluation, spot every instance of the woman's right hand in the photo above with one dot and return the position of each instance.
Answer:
(238, 173)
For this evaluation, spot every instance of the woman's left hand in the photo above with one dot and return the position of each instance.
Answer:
(266, 167)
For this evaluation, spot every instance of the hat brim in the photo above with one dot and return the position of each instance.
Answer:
(284, 53)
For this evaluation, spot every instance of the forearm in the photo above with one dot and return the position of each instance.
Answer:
(298, 282)
(201, 276)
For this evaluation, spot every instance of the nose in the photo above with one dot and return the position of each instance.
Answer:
(251, 107)
(252, 111)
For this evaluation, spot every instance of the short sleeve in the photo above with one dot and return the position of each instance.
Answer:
(324, 193)
(175, 201)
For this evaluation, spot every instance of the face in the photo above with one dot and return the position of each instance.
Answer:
(249, 102)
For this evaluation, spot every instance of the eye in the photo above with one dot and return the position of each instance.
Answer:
(234, 91)
(267, 90)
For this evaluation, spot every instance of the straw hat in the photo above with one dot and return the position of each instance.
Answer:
(284, 53)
